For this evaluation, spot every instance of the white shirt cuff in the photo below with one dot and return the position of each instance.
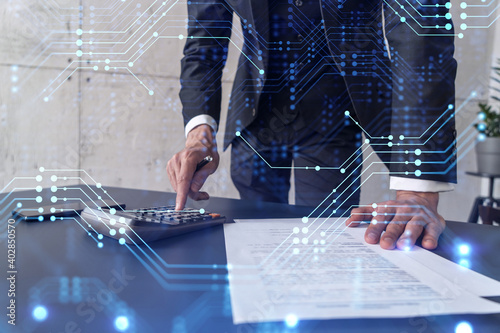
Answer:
(419, 185)
(200, 120)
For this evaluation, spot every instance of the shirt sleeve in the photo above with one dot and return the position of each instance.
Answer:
(419, 185)
(200, 120)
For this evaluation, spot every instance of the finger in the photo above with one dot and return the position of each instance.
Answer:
(410, 235)
(199, 195)
(183, 185)
(171, 176)
(198, 180)
(413, 230)
(359, 215)
(382, 215)
(432, 232)
(395, 229)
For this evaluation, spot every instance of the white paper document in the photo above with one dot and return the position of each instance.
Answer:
(323, 270)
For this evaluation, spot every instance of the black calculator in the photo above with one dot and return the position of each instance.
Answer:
(147, 224)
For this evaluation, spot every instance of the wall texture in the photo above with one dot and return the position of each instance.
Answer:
(112, 113)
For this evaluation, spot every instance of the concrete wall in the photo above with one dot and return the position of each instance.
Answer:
(58, 112)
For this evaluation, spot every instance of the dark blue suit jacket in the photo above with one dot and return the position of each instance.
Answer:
(396, 59)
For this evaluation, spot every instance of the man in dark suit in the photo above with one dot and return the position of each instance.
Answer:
(312, 76)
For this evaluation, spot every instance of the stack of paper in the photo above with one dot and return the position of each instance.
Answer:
(323, 270)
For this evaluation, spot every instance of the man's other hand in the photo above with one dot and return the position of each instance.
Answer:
(403, 220)
(181, 168)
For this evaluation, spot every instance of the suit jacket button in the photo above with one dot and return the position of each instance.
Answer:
(298, 3)
(254, 112)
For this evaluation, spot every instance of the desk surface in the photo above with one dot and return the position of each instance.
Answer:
(178, 284)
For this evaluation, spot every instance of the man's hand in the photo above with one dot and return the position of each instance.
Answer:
(403, 220)
(181, 168)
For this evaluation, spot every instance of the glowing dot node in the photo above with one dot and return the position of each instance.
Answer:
(291, 320)
(40, 313)
(463, 327)
(464, 249)
(464, 263)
